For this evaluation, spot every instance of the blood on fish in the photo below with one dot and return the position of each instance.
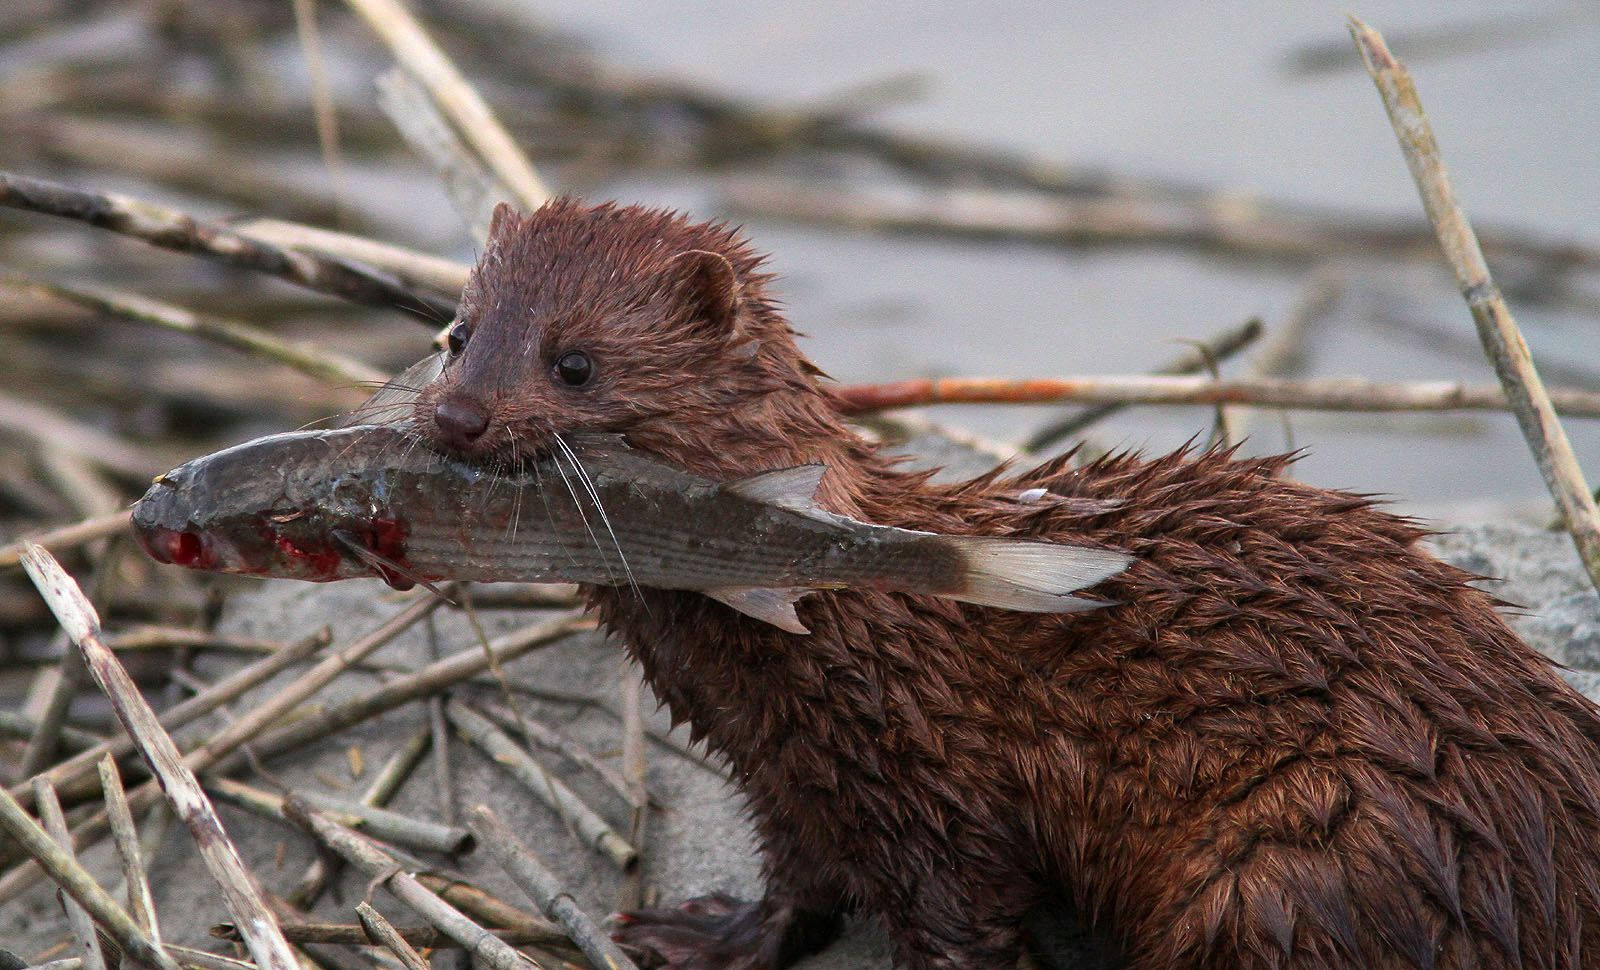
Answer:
(324, 563)
(177, 547)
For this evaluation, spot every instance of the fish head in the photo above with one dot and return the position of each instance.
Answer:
(279, 506)
(603, 320)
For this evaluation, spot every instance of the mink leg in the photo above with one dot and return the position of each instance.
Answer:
(718, 932)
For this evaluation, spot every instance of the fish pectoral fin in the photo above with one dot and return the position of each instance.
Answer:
(774, 606)
(792, 488)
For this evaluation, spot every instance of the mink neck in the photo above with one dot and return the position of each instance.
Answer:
(795, 426)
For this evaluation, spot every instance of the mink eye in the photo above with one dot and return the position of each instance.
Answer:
(574, 368)
(456, 339)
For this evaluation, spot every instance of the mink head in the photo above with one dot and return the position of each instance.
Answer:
(613, 319)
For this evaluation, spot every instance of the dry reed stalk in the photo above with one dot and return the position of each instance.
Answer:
(593, 831)
(50, 427)
(223, 691)
(305, 22)
(317, 362)
(18, 724)
(430, 679)
(352, 934)
(214, 749)
(172, 229)
(1497, 328)
(1233, 226)
(384, 786)
(78, 919)
(472, 190)
(153, 636)
(386, 870)
(201, 960)
(392, 827)
(1220, 346)
(156, 153)
(69, 536)
(551, 739)
(423, 60)
(541, 885)
(141, 905)
(1320, 394)
(381, 932)
(416, 270)
(58, 862)
(239, 889)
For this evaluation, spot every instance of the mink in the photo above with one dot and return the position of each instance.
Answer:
(1291, 739)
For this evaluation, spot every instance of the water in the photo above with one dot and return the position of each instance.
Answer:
(1196, 92)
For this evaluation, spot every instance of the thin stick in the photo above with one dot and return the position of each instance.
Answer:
(1191, 361)
(320, 363)
(305, 22)
(385, 869)
(385, 784)
(383, 933)
(77, 917)
(1223, 225)
(267, 946)
(69, 536)
(152, 636)
(595, 832)
(434, 677)
(551, 739)
(1497, 329)
(472, 190)
(423, 60)
(195, 707)
(70, 675)
(58, 862)
(351, 934)
(412, 268)
(213, 750)
(541, 885)
(1323, 394)
(401, 830)
(49, 426)
(140, 904)
(20, 725)
(171, 229)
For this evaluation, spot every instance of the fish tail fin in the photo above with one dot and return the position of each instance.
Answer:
(1033, 577)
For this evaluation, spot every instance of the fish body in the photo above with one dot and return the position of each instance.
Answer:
(370, 500)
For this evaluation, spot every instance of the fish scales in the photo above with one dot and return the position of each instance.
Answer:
(372, 501)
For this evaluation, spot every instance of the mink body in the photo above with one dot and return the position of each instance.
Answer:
(1295, 739)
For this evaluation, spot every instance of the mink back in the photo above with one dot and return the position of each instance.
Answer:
(1296, 737)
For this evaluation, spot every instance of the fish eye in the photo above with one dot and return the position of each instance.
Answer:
(574, 368)
(456, 339)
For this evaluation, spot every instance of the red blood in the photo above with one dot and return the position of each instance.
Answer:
(389, 539)
(178, 548)
(323, 563)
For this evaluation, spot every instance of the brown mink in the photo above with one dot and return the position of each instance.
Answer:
(1294, 739)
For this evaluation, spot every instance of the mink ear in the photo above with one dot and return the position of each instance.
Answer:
(504, 219)
(709, 285)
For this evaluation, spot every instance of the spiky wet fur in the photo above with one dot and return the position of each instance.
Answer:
(1299, 740)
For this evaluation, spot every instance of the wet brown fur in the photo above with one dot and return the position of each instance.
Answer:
(1299, 741)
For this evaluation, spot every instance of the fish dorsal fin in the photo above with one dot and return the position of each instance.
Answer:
(774, 606)
(789, 488)
(392, 403)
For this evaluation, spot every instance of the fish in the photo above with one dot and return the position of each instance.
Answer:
(373, 500)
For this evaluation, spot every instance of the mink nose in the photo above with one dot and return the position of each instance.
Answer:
(461, 420)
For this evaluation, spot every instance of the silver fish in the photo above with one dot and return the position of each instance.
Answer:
(371, 500)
